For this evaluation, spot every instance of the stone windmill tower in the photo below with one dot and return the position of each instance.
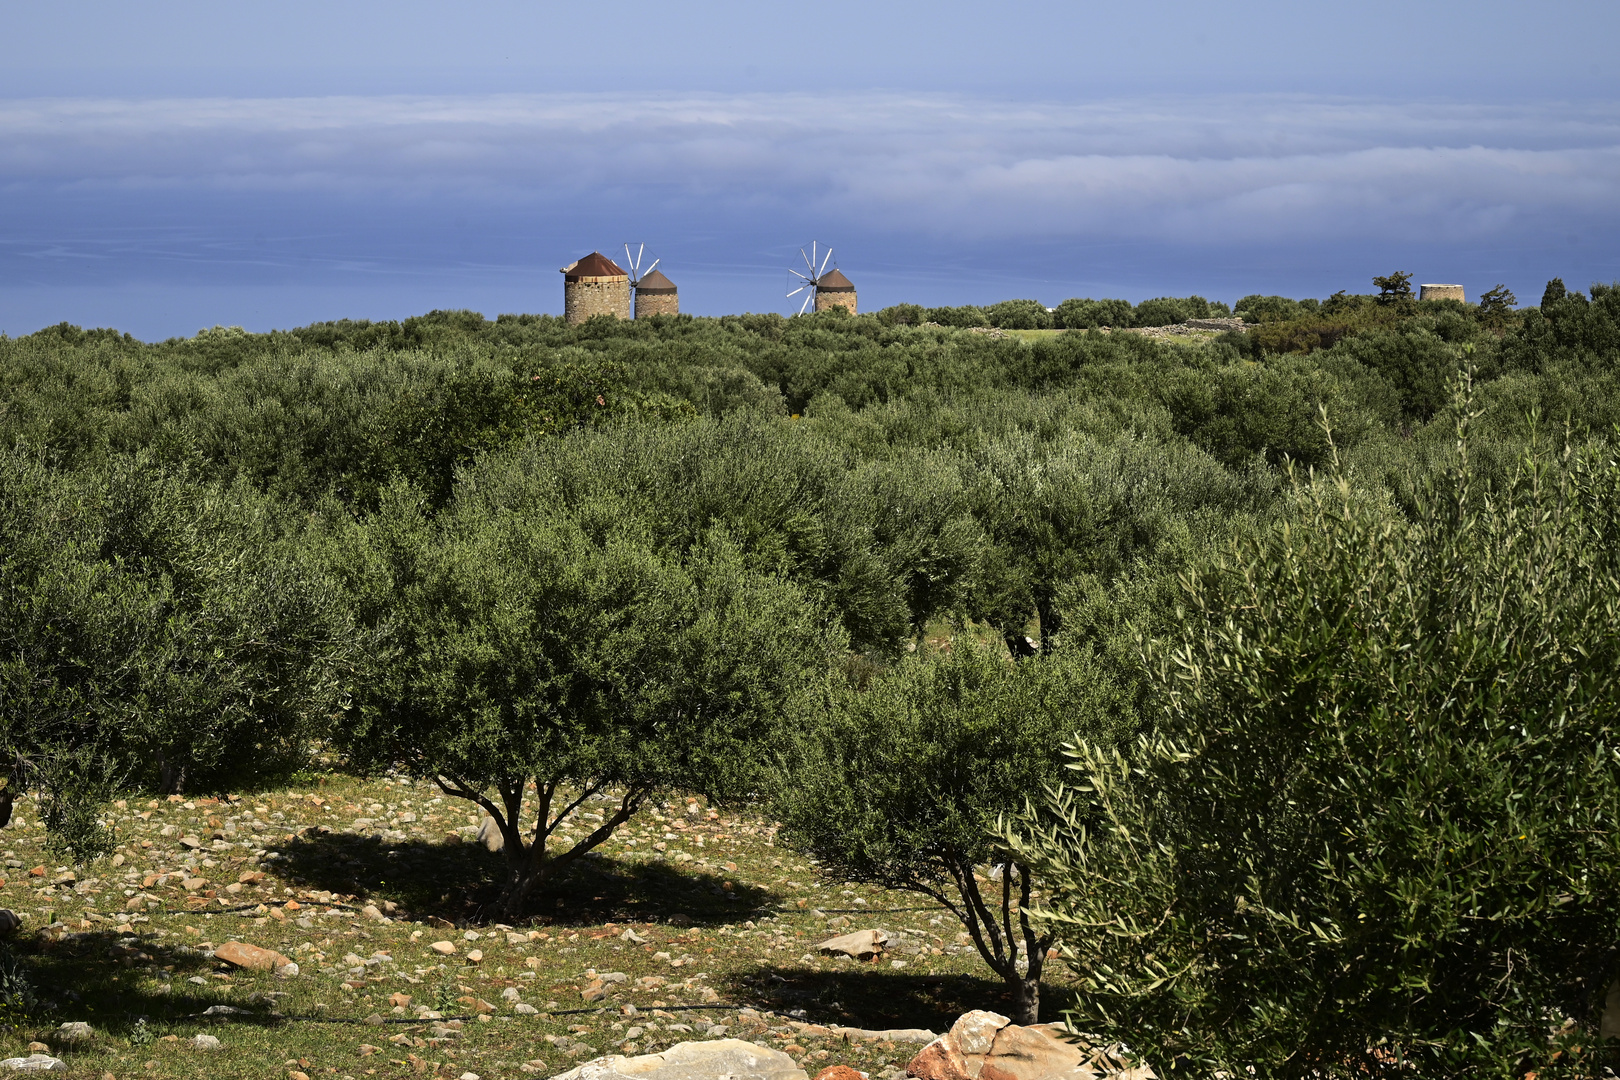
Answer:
(595, 285)
(824, 289)
(655, 293)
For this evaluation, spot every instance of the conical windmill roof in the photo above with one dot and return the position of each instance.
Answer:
(654, 281)
(834, 281)
(594, 265)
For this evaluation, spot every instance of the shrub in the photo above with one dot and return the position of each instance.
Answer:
(1020, 315)
(902, 315)
(1082, 314)
(959, 316)
(899, 780)
(1163, 311)
(1264, 309)
(1374, 827)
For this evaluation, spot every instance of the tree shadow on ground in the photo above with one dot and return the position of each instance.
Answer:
(869, 996)
(96, 976)
(460, 883)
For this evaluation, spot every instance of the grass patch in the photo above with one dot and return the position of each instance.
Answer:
(727, 919)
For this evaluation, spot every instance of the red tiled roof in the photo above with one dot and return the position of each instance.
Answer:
(594, 265)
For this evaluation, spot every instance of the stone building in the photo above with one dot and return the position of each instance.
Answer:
(1441, 292)
(655, 295)
(833, 289)
(595, 285)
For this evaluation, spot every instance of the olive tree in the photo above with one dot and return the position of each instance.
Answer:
(154, 632)
(529, 663)
(1375, 821)
(899, 781)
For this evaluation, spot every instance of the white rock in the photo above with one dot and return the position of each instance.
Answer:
(34, 1063)
(75, 1031)
(510, 994)
(860, 944)
(205, 1042)
(729, 1058)
(489, 834)
(525, 1010)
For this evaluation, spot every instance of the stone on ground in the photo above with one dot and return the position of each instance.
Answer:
(242, 955)
(34, 1063)
(860, 944)
(729, 1058)
(984, 1045)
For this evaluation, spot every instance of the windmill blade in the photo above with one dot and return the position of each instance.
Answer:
(810, 259)
(801, 288)
(824, 262)
(807, 301)
(654, 265)
(806, 278)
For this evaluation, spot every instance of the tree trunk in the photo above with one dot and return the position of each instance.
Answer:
(1026, 995)
(527, 876)
(1050, 619)
(1018, 645)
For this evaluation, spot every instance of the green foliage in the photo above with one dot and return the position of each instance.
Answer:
(1082, 314)
(517, 637)
(1167, 310)
(20, 1004)
(157, 631)
(77, 787)
(967, 315)
(902, 315)
(899, 779)
(1396, 288)
(1568, 333)
(1375, 820)
(1496, 304)
(1267, 309)
(1019, 315)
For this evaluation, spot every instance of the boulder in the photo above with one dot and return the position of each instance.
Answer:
(860, 944)
(489, 834)
(242, 955)
(984, 1045)
(75, 1031)
(840, 1072)
(34, 1063)
(719, 1059)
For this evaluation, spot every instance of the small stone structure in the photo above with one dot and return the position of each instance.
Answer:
(833, 289)
(1441, 292)
(595, 285)
(655, 295)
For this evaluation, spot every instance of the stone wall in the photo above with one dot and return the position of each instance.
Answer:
(649, 304)
(827, 299)
(1441, 292)
(596, 296)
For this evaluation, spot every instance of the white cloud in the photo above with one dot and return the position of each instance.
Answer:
(1192, 170)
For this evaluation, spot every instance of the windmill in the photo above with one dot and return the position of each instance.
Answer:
(634, 263)
(808, 283)
(655, 294)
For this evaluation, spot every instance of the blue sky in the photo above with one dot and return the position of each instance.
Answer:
(167, 166)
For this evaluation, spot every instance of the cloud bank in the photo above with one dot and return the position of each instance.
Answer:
(412, 202)
(1214, 170)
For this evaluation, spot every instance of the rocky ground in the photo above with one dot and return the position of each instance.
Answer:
(690, 924)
